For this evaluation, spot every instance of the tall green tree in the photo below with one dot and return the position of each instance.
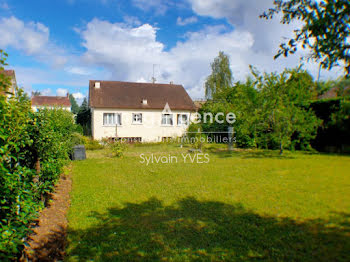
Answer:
(325, 30)
(220, 79)
(84, 117)
(272, 110)
(284, 109)
(73, 102)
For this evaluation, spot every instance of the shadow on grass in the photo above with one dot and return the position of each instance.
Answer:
(207, 231)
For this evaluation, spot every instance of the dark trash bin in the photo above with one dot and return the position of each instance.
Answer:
(79, 152)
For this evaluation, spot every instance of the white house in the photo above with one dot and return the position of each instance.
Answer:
(144, 112)
(51, 102)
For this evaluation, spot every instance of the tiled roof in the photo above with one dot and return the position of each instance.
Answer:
(129, 95)
(51, 101)
(333, 93)
(10, 73)
(12, 76)
(199, 104)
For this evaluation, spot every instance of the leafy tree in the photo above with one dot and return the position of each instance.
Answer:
(324, 86)
(36, 93)
(73, 102)
(272, 110)
(325, 29)
(221, 77)
(4, 81)
(285, 110)
(84, 117)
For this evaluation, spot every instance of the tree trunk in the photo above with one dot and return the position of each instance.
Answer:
(281, 148)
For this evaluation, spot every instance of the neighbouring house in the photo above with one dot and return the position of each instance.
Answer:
(51, 102)
(12, 88)
(336, 92)
(199, 103)
(144, 112)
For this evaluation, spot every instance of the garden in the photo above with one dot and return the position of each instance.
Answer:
(282, 193)
(242, 205)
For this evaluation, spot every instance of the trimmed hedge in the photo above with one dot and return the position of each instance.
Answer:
(34, 147)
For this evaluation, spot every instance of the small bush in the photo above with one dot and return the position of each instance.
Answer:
(88, 142)
(117, 148)
(91, 144)
(194, 136)
(78, 139)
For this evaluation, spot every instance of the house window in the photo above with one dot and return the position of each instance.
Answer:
(167, 119)
(111, 119)
(137, 118)
(182, 119)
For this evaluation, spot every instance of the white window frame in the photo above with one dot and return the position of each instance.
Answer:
(138, 117)
(179, 117)
(171, 123)
(107, 119)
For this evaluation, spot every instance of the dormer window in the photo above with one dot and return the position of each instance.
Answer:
(144, 101)
(97, 84)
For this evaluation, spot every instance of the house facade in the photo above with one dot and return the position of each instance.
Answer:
(50, 102)
(142, 112)
(11, 89)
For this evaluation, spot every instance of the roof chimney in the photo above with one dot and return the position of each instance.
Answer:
(97, 84)
(171, 82)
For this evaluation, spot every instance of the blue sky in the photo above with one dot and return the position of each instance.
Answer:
(58, 46)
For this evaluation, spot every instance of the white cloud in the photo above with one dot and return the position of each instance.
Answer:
(76, 70)
(29, 78)
(159, 6)
(132, 20)
(122, 49)
(129, 54)
(79, 95)
(141, 80)
(46, 92)
(185, 21)
(61, 91)
(32, 38)
(244, 15)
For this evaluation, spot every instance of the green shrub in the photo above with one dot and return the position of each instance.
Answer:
(194, 136)
(78, 139)
(91, 144)
(88, 142)
(117, 148)
(19, 198)
(26, 139)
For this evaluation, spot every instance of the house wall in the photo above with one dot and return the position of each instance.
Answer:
(11, 89)
(151, 129)
(35, 108)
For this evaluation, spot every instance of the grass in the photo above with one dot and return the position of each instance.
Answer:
(242, 205)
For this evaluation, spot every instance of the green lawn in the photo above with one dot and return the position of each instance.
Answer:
(247, 205)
